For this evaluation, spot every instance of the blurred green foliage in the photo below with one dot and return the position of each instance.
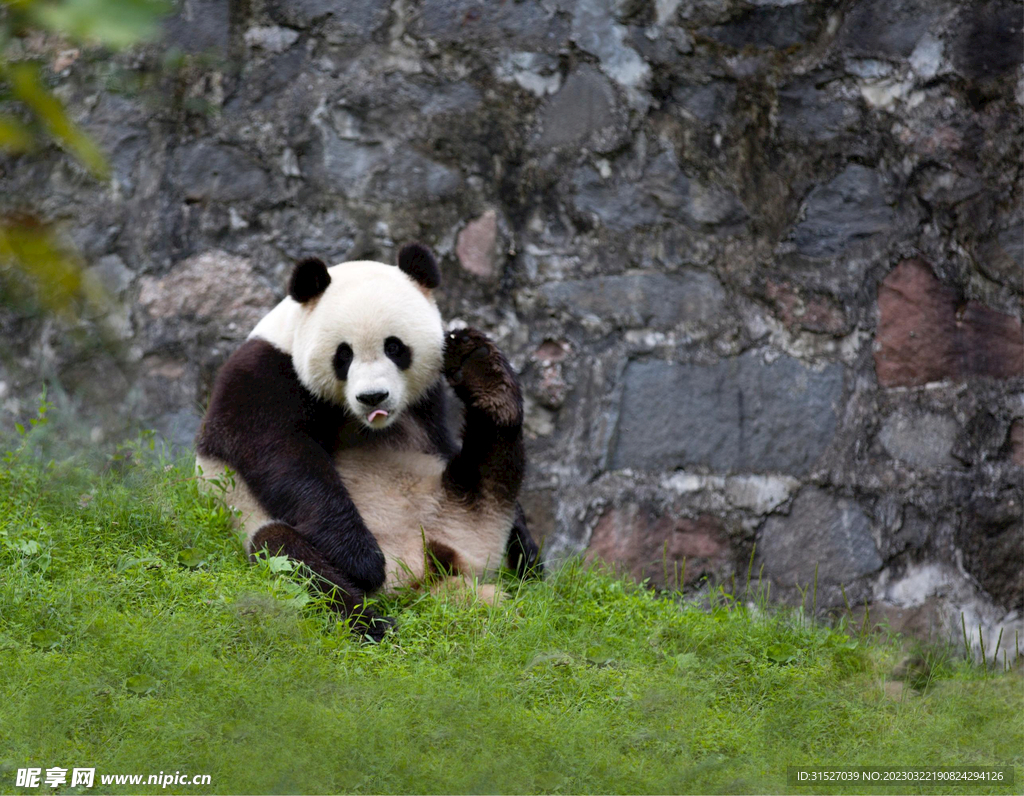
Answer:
(31, 115)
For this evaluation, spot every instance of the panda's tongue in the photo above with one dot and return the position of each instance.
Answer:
(375, 414)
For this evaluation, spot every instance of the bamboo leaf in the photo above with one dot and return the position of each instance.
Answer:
(32, 249)
(28, 87)
(14, 136)
(113, 23)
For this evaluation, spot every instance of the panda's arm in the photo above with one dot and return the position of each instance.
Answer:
(264, 425)
(492, 461)
(295, 480)
(522, 552)
(490, 464)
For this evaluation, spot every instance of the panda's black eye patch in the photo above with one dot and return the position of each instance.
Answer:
(342, 359)
(398, 352)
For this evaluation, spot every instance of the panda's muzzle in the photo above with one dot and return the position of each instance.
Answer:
(371, 400)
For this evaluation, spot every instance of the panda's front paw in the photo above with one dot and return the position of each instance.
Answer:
(363, 562)
(482, 377)
(524, 558)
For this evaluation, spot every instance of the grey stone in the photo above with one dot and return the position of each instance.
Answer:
(843, 212)
(662, 48)
(595, 31)
(809, 111)
(665, 194)
(738, 415)
(275, 81)
(583, 112)
(219, 173)
(927, 58)
(457, 98)
(885, 28)
(527, 25)
(767, 27)
(346, 166)
(535, 72)
(990, 538)
(118, 125)
(1001, 256)
(988, 42)
(709, 103)
(344, 22)
(412, 177)
(112, 274)
(179, 428)
(95, 238)
(1012, 242)
(657, 301)
(824, 530)
(712, 204)
(273, 39)
(358, 21)
(619, 206)
(690, 200)
(200, 25)
(920, 439)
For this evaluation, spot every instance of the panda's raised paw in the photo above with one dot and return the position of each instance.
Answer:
(481, 376)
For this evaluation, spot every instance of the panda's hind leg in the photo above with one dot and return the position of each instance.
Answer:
(278, 538)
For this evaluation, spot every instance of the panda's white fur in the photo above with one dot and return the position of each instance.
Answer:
(368, 301)
(396, 485)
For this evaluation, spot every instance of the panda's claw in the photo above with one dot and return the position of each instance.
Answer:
(482, 377)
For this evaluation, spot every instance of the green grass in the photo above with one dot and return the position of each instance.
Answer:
(135, 638)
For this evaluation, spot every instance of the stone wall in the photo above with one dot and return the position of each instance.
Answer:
(759, 262)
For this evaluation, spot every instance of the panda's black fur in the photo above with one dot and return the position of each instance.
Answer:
(288, 448)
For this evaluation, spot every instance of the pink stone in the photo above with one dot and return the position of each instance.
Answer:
(1017, 443)
(212, 286)
(653, 544)
(550, 351)
(922, 337)
(476, 244)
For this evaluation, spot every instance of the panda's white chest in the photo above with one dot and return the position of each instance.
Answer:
(395, 491)
(401, 499)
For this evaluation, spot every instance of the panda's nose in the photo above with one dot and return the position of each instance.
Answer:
(372, 398)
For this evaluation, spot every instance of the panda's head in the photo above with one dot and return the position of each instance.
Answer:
(366, 335)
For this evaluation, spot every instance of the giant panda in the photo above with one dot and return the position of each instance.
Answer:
(330, 423)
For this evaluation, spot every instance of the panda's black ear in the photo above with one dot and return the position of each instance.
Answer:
(309, 279)
(416, 260)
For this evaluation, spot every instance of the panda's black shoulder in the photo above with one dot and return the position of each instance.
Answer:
(258, 373)
(257, 394)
